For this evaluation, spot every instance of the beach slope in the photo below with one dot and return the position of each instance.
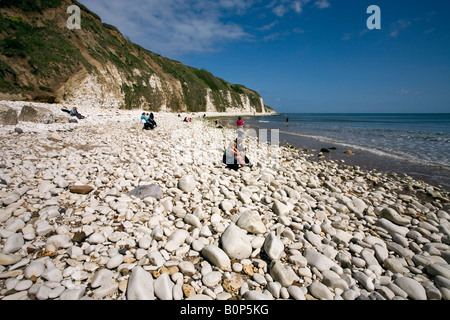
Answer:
(101, 209)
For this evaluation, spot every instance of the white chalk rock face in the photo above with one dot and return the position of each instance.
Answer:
(235, 243)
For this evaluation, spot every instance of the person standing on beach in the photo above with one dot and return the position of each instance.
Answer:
(240, 123)
(287, 122)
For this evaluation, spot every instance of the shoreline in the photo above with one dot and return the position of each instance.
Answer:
(105, 210)
(365, 159)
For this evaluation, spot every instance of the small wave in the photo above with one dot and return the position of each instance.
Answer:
(384, 153)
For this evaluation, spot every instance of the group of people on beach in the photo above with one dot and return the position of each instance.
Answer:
(234, 156)
(148, 120)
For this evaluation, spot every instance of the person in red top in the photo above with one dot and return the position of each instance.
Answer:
(240, 123)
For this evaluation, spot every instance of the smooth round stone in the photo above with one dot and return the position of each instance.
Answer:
(36, 268)
(23, 285)
(226, 205)
(22, 295)
(187, 268)
(8, 259)
(177, 292)
(140, 285)
(413, 288)
(274, 288)
(296, 293)
(298, 260)
(197, 245)
(256, 295)
(11, 199)
(163, 287)
(43, 292)
(280, 273)
(193, 220)
(156, 258)
(142, 192)
(320, 291)
(364, 280)
(438, 269)
(349, 294)
(106, 290)
(259, 278)
(52, 274)
(96, 238)
(144, 243)
(176, 239)
(318, 260)
(212, 279)
(60, 241)
(72, 294)
(394, 216)
(103, 276)
(187, 183)
(115, 261)
(235, 243)
(279, 208)
(75, 252)
(237, 267)
(395, 265)
(13, 243)
(273, 246)
(216, 256)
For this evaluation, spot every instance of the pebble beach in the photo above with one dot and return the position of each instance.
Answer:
(100, 209)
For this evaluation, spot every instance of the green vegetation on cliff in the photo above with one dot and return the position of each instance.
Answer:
(39, 54)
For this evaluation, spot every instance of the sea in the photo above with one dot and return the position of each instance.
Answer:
(414, 144)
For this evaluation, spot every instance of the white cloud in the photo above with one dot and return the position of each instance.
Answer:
(322, 4)
(405, 92)
(282, 7)
(398, 26)
(298, 5)
(268, 26)
(174, 27)
(280, 10)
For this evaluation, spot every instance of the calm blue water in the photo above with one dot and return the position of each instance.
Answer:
(420, 138)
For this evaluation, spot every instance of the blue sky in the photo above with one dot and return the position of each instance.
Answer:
(303, 55)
